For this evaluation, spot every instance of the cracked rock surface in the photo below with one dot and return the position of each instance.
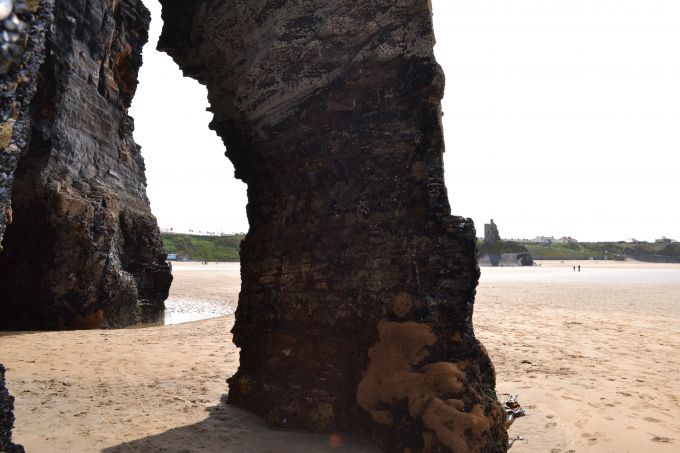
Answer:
(6, 418)
(81, 248)
(355, 312)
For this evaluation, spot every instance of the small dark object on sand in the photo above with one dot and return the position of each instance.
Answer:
(662, 439)
(512, 410)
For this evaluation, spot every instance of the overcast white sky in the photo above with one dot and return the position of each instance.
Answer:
(562, 117)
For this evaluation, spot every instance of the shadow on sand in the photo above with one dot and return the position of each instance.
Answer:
(230, 429)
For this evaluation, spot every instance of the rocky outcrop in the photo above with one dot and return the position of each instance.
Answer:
(22, 50)
(83, 249)
(506, 259)
(358, 285)
(6, 418)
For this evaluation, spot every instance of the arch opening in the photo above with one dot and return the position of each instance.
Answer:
(199, 204)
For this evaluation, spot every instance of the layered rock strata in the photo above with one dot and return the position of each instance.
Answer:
(358, 285)
(83, 249)
(6, 418)
(22, 51)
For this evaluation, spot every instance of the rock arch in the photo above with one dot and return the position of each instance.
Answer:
(355, 312)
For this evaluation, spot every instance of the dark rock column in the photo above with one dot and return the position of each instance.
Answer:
(6, 418)
(84, 249)
(358, 285)
(22, 52)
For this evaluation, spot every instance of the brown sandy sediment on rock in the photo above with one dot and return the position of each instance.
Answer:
(595, 366)
(393, 375)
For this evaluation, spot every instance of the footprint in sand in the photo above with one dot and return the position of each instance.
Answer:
(581, 423)
(591, 438)
(652, 420)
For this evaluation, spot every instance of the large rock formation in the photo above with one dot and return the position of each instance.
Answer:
(358, 285)
(83, 249)
(6, 418)
(22, 51)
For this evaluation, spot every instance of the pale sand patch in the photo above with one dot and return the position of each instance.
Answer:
(601, 365)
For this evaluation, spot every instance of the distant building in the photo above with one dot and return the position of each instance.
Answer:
(663, 239)
(544, 240)
(172, 257)
(491, 234)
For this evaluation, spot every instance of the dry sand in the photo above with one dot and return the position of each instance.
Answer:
(594, 357)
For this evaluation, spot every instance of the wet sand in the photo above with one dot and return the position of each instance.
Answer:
(593, 356)
(202, 291)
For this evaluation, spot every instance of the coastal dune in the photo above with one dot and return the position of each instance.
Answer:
(594, 357)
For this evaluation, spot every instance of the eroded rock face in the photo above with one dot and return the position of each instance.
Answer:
(83, 249)
(22, 52)
(355, 312)
(6, 418)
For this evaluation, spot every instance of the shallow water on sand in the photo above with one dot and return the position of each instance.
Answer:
(642, 288)
(596, 272)
(178, 311)
(209, 291)
(202, 291)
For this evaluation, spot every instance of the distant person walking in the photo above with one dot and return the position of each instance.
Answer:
(574, 268)
(579, 268)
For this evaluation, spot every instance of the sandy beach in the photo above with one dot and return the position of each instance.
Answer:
(594, 357)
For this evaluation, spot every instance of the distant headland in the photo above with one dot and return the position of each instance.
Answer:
(494, 251)
(225, 248)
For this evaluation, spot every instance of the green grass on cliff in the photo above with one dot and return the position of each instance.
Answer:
(203, 248)
(226, 248)
(500, 247)
(584, 250)
(577, 251)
